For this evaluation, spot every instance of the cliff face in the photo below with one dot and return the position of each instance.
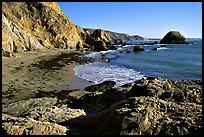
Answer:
(118, 36)
(35, 25)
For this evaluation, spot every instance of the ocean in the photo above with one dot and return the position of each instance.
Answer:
(172, 61)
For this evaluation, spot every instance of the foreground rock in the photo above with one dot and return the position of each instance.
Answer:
(173, 37)
(43, 109)
(152, 106)
(28, 126)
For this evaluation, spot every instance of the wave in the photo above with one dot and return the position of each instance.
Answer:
(98, 72)
(161, 48)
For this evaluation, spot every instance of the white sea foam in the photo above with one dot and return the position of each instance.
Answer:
(161, 48)
(98, 72)
(98, 54)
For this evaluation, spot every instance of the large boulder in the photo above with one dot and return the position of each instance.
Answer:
(173, 37)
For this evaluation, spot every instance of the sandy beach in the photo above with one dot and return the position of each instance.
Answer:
(28, 73)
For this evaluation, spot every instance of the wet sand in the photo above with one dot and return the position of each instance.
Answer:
(29, 73)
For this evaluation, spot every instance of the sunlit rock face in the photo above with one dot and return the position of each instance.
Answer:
(28, 26)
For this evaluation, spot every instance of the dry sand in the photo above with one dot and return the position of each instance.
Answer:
(28, 73)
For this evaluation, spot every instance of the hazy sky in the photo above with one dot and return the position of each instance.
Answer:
(147, 19)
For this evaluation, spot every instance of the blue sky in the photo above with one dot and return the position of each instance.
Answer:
(147, 19)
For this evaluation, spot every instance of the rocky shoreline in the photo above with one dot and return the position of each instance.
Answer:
(152, 106)
(42, 96)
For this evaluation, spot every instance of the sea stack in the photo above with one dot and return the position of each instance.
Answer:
(173, 37)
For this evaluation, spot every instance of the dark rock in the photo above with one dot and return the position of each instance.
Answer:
(128, 51)
(102, 86)
(79, 46)
(173, 37)
(138, 48)
(100, 46)
(124, 44)
(155, 48)
(163, 46)
(156, 42)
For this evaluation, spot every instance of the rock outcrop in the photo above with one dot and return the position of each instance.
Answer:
(173, 37)
(152, 106)
(99, 40)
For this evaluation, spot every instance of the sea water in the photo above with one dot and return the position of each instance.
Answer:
(172, 61)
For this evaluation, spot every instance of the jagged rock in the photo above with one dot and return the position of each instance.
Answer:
(138, 48)
(188, 91)
(28, 126)
(173, 37)
(147, 107)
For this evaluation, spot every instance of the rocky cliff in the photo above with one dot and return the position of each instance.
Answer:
(35, 25)
(118, 36)
(28, 26)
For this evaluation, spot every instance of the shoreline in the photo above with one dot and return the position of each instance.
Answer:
(42, 95)
(24, 76)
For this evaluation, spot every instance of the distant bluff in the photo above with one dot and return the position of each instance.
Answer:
(173, 37)
(27, 26)
(118, 36)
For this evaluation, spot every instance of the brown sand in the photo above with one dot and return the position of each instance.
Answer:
(45, 70)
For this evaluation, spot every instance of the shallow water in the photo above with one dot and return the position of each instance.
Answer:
(174, 61)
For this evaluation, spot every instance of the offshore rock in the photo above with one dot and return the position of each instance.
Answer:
(173, 37)
(138, 48)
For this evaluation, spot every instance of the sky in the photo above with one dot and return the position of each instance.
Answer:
(147, 19)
